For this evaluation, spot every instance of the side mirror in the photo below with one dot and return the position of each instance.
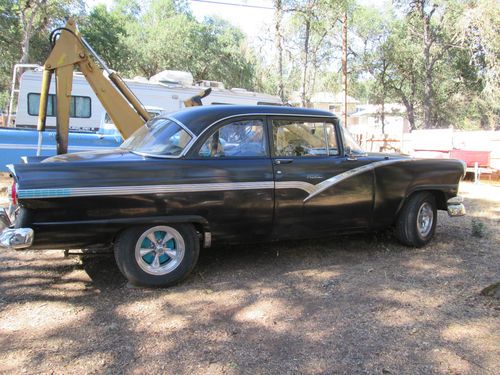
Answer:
(349, 154)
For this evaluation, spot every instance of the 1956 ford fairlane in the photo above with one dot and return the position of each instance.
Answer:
(223, 174)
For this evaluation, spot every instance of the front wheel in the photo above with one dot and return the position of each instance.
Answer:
(157, 256)
(416, 222)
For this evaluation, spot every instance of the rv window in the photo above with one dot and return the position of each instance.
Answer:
(80, 106)
(34, 104)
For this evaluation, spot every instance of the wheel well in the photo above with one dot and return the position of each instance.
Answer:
(438, 195)
(440, 199)
(197, 226)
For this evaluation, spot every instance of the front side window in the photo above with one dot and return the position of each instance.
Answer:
(350, 145)
(237, 139)
(79, 107)
(304, 138)
(158, 137)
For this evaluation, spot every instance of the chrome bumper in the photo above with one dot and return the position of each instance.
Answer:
(456, 206)
(16, 239)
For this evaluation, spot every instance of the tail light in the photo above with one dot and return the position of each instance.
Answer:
(13, 193)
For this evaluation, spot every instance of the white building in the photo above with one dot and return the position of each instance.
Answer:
(366, 125)
(329, 101)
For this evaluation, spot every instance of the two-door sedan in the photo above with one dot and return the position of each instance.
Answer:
(223, 174)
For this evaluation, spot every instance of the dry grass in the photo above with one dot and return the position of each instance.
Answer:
(354, 305)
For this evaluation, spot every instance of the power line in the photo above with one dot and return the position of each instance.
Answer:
(233, 4)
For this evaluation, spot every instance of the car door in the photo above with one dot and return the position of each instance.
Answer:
(313, 190)
(235, 154)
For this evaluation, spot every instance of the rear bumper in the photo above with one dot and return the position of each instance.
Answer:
(10, 238)
(455, 206)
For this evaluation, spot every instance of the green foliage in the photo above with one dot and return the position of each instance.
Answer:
(105, 31)
(440, 77)
(4, 99)
(166, 36)
(10, 36)
(133, 38)
(478, 228)
(454, 80)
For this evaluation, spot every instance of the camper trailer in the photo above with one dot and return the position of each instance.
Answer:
(167, 91)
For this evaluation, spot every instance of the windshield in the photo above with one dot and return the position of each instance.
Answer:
(158, 137)
(350, 144)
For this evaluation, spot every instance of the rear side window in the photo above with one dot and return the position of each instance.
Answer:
(237, 139)
(80, 106)
(304, 138)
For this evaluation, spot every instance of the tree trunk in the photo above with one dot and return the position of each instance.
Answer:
(428, 92)
(278, 40)
(303, 95)
(382, 116)
(410, 112)
(384, 90)
(344, 66)
(28, 14)
(428, 40)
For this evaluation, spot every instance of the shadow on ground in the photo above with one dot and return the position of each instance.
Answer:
(358, 305)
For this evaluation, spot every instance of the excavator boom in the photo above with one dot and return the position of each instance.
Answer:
(71, 51)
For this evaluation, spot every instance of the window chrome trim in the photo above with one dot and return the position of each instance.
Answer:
(184, 151)
(333, 117)
(182, 126)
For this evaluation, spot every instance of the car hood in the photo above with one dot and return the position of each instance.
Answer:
(117, 154)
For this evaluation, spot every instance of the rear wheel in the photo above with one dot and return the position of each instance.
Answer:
(416, 223)
(157, 256)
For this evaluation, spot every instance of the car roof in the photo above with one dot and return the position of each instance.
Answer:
(198, 119)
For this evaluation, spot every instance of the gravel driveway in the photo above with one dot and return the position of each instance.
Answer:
(350, 305)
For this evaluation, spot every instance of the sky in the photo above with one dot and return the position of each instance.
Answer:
(252, 19)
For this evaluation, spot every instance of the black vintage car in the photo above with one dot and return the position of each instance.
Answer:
(224, 174)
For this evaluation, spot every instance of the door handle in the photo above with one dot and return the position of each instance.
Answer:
(283, 161)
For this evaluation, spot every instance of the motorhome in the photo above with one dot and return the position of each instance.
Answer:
(167, 91)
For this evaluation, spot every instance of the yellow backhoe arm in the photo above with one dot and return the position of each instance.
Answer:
(71, 51)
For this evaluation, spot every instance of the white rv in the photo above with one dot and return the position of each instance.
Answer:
(166, 91)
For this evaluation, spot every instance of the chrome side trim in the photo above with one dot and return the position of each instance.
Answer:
(310, 189)
(151, 189)
(328, 183)
(306, 186)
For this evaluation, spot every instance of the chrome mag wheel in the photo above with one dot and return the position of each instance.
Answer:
(159, 250)
(425, 219)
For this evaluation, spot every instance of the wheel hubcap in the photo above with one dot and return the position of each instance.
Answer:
(159, 250)
(425, 219)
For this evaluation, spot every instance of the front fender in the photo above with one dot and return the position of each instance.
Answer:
(396, 183)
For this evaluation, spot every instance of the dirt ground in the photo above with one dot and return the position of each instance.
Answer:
(350, 305)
